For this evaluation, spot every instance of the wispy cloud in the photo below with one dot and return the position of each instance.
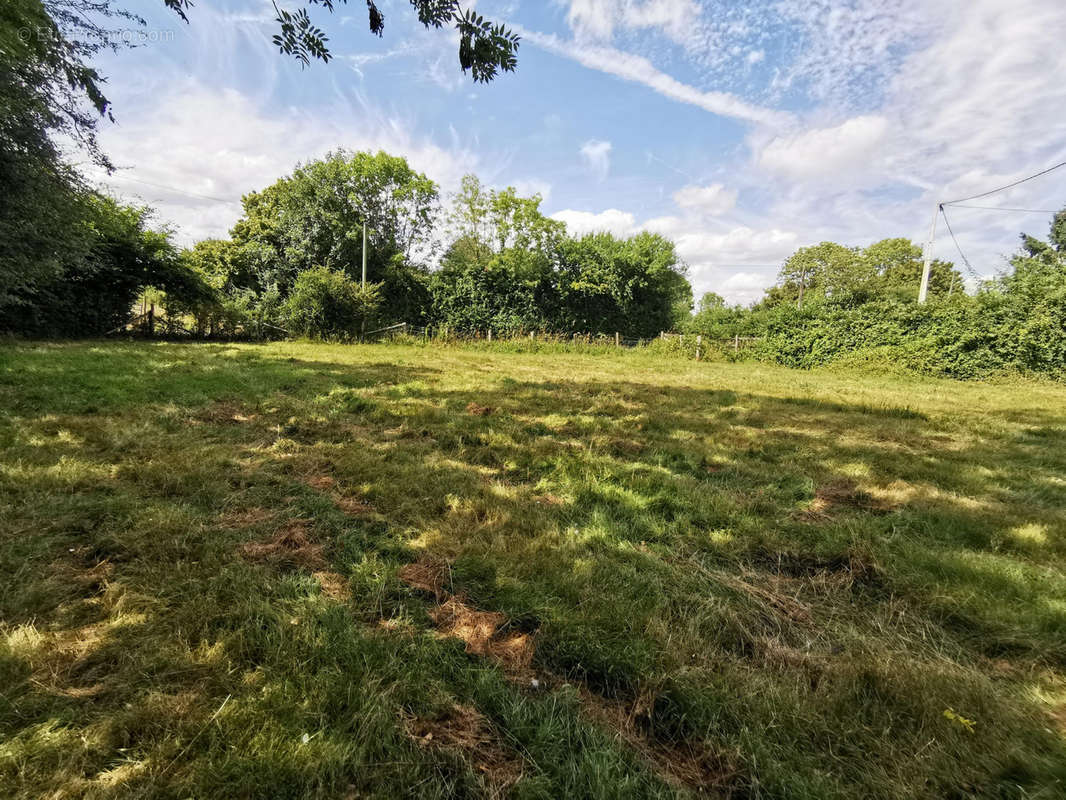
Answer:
(638, 69)
(597, 156)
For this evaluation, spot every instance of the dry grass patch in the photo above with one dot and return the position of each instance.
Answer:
(478, 410)
(224, 413)
(464, 731)
(485, 634)
(354, 507)
(842, 495)
(681, 764)
(426, 575)
(333, 585)
(290, 547)
(245, 518)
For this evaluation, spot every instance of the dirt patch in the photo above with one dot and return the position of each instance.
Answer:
(224, 413)
(478, 410)
(466, 732)
(289, 547)
(245, 518)
(840, 496)
(322, 483)
(682, 764)
(354, 507)
(333, 585)
(427, 575)
(549, 500)
(485, 634)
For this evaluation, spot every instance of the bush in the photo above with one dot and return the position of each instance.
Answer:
(327, 304)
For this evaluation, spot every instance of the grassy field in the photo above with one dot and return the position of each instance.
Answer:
(298, 571)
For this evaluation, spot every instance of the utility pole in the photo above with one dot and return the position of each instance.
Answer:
(364, 255)
(928, 260)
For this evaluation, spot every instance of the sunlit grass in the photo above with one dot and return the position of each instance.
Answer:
(737, 578)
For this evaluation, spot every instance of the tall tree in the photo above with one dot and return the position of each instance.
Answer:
(896, 270)
(824, 269)
(635, 286)
(315, 218)
(43, 85)
(498, 272)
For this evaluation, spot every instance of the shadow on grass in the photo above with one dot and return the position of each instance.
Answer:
(775, 579)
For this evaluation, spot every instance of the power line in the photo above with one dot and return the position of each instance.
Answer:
(178, 191)
(958, 247)
(1008, 186)
(1004, 208)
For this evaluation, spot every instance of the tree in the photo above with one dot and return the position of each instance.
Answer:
(499, 271)
(1039, 271)
(828, 268)
(315, 217)
(42, 79)
(484, 48)
(634, 285)
(897, 266)
(93, 288)
(711, 301)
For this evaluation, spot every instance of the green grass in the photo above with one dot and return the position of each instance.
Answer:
(742, 579)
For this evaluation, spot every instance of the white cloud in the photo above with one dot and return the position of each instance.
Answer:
(639, 70)
(597, 156)
(715, 260)
(739, 263)
(957, 97)
(600, 18)
(165, 142)
(825, 153)
(756, 56)
(714, 199)
(531, 186)
(578, 223)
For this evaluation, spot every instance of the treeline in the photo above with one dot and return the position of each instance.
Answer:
(294, 261)
(72, 260)
(852, 306)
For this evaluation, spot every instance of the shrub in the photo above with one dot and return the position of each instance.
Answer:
(327, 304)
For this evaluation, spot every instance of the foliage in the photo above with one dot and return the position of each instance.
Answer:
(94, 287)
(852, 275)
(315, 217)
(510, 268)
(43, 81)
(485, 48)
(327, 304)
(636, 285)
(860, 307)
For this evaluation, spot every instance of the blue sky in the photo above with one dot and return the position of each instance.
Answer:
(742, 130)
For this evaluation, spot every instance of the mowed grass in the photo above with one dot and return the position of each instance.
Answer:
(725, 580)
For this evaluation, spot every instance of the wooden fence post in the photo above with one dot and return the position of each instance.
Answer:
(617, 339)
(736, 343)
(699, 345)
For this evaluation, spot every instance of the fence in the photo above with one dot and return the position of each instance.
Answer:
(682, 342)
(689, 344)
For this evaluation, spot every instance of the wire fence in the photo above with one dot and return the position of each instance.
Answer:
(689, 345)
(698, 344)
